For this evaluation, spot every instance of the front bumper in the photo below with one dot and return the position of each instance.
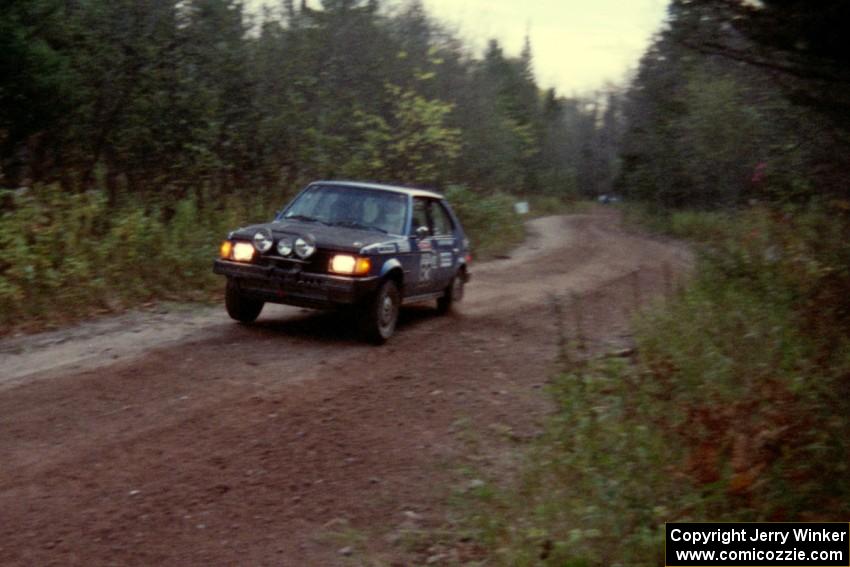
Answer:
(292, 286)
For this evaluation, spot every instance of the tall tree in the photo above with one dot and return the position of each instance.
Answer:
(164, 97)
(37, 85)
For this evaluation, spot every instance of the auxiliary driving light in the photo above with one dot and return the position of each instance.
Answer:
(303, 248)
(284, 246)
(263, 241)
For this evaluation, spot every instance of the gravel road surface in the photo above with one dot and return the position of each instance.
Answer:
(176, 436)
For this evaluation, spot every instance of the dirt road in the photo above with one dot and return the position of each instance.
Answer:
(180, 437)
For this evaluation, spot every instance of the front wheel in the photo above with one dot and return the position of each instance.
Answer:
(452, 295)
(239, 307)
(378, 321)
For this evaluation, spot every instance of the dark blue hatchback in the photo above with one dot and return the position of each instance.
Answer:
(339, 243)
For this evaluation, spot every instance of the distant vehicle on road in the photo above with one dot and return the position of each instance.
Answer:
(340, 243)
(606, 199)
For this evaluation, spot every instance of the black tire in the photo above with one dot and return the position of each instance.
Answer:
(379, 316)
(452, 295)
(239, 307)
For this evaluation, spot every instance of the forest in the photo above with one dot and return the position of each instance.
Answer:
(168, 98)
(136, 124)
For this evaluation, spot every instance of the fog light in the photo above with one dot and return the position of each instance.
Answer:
(304, 248)
(263, 240)
(284, 246)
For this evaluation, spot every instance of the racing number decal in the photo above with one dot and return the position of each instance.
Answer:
(427, 263)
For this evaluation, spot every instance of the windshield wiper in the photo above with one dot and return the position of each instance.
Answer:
(355, 224)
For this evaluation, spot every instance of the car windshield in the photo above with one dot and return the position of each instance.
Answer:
(354, 207)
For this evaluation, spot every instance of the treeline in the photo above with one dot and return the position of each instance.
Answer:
(172, 97)
(740, 101)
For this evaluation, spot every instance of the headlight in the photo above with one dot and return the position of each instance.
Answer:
(303, 248)
(243, 252)
(284, 246)
(350, 265)
(263, 240)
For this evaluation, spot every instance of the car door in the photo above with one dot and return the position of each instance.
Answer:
(445, 243)
(424, 244)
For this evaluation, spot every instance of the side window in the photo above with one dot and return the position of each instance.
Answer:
(442, 221)
(420, 214)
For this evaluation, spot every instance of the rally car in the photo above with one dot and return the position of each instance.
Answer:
(339, 243)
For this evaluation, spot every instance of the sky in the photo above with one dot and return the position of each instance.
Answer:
(578, 45)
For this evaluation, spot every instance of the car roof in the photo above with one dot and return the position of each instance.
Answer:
(412, 191)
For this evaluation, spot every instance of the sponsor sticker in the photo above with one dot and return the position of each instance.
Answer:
(426, 266)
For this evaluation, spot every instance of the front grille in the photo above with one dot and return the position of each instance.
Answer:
(316, 264)
(312, 282)
(270, 259)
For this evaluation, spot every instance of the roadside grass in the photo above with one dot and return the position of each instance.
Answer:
(593, 488)
(68, 256)
(546, 205)
(696, 226)
(735, 407)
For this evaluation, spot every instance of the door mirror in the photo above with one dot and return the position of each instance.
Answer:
(422, 232)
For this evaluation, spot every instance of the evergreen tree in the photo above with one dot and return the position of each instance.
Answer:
(164, 97)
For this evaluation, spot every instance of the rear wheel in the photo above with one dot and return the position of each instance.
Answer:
(453, 294)
(380, 315)
(239, 307)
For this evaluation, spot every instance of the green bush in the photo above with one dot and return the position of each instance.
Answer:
(754, 360)
(490, 222)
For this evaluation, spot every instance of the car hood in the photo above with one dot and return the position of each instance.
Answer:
(326, 237)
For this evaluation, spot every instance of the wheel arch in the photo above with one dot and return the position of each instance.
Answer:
(392, 270)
